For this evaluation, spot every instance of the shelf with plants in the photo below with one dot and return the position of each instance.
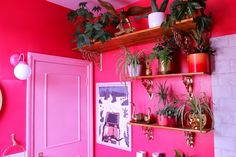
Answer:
(138, 37)
(166, 75)
(169, 128)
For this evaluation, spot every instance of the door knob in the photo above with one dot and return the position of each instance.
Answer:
(40, 154)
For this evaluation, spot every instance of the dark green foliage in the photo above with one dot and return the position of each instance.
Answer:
(90, 28)
(162, 7)
(164, 50)
(178, 154)
(182, 9)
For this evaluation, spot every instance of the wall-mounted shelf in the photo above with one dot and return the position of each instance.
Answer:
(167, 75)
(139, 37)
(189, 133)
(169, 128)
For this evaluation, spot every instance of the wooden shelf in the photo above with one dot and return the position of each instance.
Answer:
(169, 128)
(139, 37)
(166, 75)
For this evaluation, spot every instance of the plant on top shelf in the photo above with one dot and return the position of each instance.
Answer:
(196, 112)
(130, 63)
(195, 42)
(164, 51)
(157, 16)
(89, 27)
(184, 9)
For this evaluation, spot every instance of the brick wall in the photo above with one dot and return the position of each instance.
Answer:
(224, 95)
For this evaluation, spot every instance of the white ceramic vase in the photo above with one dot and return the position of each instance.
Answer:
(134, 71)
(155, 19)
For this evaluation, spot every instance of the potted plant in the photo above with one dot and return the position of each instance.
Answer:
(197, 111)
(196, 42)
(198, 58)
(183, 9)
(164, 51)
(157, 16)
(90, 28)
(130, 64)
(163, 99)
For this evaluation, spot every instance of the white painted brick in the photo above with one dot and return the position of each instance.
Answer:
(227, 153)
(227, 105)
(217, 130)
(234, 67)
(229, 131)
(220, 42)
(218, 152)
(232, 41)
(215, 79)
(224, 95)
(223, 67)
(227, 79)
(226, 53)
(221, 117)
(225, 143)
(222, 92)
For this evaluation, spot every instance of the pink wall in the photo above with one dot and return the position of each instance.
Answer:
(166, 141)
(26, 25)
(39, 26)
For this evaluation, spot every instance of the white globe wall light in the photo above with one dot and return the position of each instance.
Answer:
(22, 70)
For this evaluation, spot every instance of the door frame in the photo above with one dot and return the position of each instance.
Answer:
(32, 59)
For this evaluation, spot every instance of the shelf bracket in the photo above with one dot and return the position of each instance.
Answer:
(188, 82)
(148, 85)
(190, 138)
(148, 132)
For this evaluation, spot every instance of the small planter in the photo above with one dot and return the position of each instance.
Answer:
(194, 121)
(198, 62)
(155, 19)
(162, 69)
(134, 71)
(162, 120)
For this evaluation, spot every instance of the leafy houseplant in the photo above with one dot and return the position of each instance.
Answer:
(89, 27)
(157, 16)
(164, 51)
(196, 42)
(197, 109)
(129, 63)
(178, 154)
(167, 114)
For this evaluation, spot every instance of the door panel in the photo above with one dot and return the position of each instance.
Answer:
(61, 107)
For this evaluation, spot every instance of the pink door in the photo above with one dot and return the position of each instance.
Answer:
(60, 107)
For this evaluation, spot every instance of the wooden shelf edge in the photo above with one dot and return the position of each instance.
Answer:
(169, 128)
(167, 75)
(138, 37)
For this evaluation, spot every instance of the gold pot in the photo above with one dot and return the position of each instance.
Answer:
(165, 69)
(194, 121)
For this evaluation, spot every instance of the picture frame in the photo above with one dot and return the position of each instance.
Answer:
(113, 112)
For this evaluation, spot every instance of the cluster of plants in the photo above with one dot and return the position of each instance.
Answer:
(180, 107)
(92, 25)
(197, 40)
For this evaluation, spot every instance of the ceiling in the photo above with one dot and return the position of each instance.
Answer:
(73, 4)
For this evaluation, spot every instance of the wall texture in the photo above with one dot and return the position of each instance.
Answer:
(224, 93)
(36, 26)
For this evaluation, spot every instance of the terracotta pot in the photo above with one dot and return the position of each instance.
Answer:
(162, 120)
(194, 121)
(198, 62)
(162, 69)
(134, 71)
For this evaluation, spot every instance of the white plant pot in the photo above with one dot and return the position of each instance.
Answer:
(155, 19)
(134, 71)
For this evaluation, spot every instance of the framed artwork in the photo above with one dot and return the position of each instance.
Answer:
(113, 112)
